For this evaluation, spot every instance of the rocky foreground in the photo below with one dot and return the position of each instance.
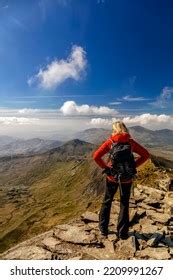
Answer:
(149, 237)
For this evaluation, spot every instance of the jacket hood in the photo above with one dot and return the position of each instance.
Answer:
(123, 137)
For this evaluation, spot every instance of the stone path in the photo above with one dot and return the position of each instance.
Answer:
(149, 238)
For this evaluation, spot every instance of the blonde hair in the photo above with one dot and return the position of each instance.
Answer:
(119, 128)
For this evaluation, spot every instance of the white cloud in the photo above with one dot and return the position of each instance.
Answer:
(115, 103)
(58, 71)
(28, 111)
(130, 98)
(152, 121)
(71, 108)
(99, 122)
(18, 121)
(163, 99)
(167, 92)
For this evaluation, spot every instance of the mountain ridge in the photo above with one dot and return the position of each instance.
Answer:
(147, 137)
(150, 138)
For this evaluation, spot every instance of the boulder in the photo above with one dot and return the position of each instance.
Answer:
(31, 252)
(137, 192)
(75, 234)
(168, 200)
(154, 254)
(145, 220)
(107, 252)
(157, 194)
(50, 243)
(152, 202)
(157, 217)
(164, 183)
(152, 193)
(149, 207)
(125, 249)
(148, 230)
(93, 225)
(89, 217)
(145, 190)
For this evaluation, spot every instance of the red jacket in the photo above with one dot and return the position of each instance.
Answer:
(106, 146)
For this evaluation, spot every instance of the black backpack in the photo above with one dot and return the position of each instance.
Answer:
(123, 162)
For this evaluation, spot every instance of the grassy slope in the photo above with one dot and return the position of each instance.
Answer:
(57, 192)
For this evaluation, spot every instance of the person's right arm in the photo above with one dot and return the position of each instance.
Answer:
(100, 152)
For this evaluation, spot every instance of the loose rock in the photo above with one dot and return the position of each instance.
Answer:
(74, 234)
(125, 249)
(154, 254)
(89, 217)
(28, 253)
(157, 217)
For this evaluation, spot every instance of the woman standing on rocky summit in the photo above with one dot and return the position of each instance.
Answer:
(120, 135)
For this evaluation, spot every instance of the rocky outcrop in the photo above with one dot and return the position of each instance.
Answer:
(80, 239)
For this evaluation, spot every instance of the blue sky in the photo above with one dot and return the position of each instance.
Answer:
(86, 59)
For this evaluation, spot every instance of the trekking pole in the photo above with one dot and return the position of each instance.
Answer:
(119, 182)
(132, 190)
(134, 183)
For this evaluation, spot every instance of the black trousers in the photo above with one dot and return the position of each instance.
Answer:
(104, 215)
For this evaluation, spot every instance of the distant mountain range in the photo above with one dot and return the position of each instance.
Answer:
(150, 138)
(12, 146)
(153, 138)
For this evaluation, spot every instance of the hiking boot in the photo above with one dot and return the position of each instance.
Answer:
(123, 236)
(103, 231)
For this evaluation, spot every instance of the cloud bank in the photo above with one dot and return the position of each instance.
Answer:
(58, 71)
(152, 121)
(17, 121)
(72, 118)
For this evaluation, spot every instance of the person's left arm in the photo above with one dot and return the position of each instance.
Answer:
(141, 151)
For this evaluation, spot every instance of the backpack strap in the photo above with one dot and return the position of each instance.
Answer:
(109, 157)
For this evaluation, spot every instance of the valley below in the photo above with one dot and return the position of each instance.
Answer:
(38, 192)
